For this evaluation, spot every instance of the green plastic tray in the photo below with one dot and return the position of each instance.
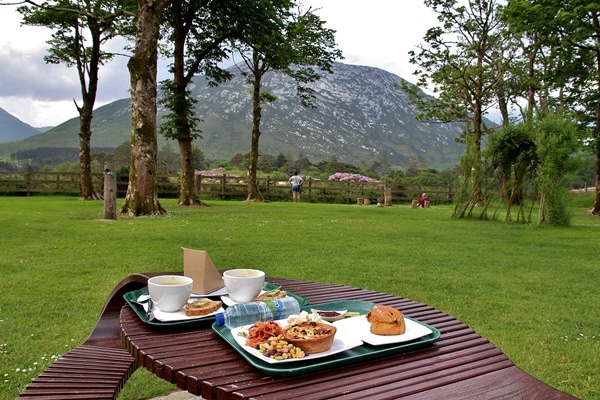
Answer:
(358, 354)
(130, 298)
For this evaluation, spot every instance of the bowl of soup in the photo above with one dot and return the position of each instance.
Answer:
(243, 285)
(170, 292)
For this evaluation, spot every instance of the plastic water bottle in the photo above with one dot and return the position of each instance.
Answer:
(248, 313)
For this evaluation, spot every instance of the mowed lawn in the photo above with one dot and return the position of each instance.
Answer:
(532, 291)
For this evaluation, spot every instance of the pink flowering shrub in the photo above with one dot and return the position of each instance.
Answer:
(212, 172)
(345, 177)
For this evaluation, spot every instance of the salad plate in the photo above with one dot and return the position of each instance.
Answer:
(341, 342)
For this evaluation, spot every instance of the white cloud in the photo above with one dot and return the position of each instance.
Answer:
(377, 33)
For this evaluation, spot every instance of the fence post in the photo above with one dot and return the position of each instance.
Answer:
(110, 193)
(197, 184)
(347, 195)
(28, 182)
(387, 195)
(268, 187)
(223, 186)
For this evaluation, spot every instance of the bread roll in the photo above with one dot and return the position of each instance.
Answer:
(386, 320)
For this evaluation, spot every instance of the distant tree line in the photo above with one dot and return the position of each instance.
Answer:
(279, 166)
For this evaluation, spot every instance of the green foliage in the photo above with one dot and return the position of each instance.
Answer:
(557, 141)
(561, 45)
(426, 178)
(532, 291)
(180, 122)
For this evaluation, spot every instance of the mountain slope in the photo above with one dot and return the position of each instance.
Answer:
(359, 117)
(13, 129)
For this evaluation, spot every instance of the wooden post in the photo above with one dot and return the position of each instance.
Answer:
(110, 192)
(388, 196)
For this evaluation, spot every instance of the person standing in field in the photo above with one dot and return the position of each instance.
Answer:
(296, 181)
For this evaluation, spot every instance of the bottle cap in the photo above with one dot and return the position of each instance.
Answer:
(220, 319)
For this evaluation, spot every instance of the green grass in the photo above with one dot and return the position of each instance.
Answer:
(532, 291)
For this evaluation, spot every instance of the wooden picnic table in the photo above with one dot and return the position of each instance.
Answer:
(459, 365)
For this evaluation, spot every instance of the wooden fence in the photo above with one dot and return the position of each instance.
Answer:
(227, 187)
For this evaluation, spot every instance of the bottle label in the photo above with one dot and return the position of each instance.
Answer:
(265, 310)
(273, 307)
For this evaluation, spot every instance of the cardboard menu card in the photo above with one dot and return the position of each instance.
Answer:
(198, 266)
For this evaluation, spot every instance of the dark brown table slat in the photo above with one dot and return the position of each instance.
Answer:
(471, 343)
(509, 383)
(381, 383)
(198, 360)
(394, 371)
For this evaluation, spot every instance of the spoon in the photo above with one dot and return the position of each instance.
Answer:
(149, 313)
(145, 297)
(142, 298)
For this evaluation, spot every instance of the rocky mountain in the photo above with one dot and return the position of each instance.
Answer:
(13, 129)
(360, 116)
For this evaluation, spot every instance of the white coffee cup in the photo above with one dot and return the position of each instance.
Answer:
(243, 285)
(170, 292)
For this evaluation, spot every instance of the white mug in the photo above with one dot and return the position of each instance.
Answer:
(243, 285)
(170, 292)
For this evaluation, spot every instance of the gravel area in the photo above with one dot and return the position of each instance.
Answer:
(179, 395)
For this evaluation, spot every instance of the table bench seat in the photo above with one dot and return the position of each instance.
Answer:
(98, 368)
(459, 365)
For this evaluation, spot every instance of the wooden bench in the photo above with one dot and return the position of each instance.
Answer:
(99, 367)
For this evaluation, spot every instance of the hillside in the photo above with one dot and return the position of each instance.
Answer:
(359, 117)
(12, 129)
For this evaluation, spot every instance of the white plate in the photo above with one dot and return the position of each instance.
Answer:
(164, 316)
(218, 292)
(228, 301)
(341, 342)
(362, 329)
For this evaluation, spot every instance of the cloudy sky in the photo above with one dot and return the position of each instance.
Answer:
(376, 33)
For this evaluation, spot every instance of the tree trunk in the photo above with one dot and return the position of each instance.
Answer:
(187, 195)
(187, 192)
(476, 193)
(142, 193)
(253, 192)
(86, 112)
(85, 159)
(596, 207)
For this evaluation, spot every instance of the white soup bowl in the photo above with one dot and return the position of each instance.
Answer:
(170, 292)
(243, 285)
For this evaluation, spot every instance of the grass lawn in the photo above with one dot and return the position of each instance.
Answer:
(532, 291)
